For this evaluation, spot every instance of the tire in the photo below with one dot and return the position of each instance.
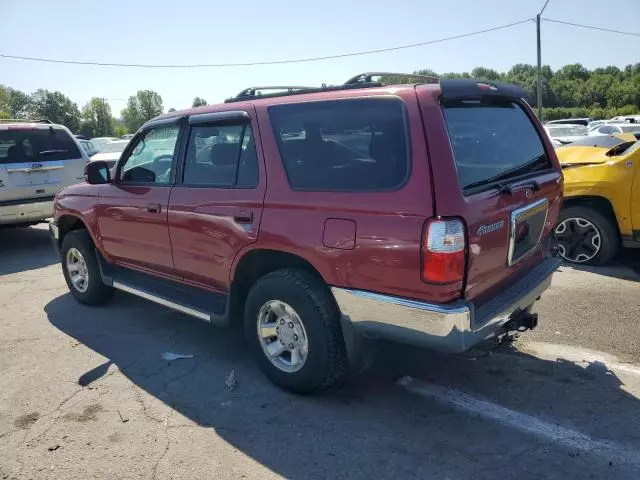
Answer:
(94, 291)
(308, 300)
(597, 234)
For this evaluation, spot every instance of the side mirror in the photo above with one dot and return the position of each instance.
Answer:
(97, 173)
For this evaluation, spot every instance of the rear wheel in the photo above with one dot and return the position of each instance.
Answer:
(80, 269)
(586, 236)
(293, 327)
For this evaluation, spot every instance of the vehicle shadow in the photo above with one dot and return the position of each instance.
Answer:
(24, 249)
(371, 428)
(626, 266)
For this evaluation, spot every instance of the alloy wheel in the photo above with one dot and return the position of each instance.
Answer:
(282, 336)
(578, 240)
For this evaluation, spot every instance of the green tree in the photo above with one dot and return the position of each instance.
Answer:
(54, 106)
(199, 102)
(141, 107)
(119, 130)
(96, 118)
(171, 110)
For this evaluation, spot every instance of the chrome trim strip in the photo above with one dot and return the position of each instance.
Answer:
(162, 301)
(405, 302)
(522, 214)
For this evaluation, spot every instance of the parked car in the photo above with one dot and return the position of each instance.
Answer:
(99, 141)
(110, 152)
(36, 160)
(88, 146)
(421, 213)
(565, 133)
(127, 136)
(571, 121)
(601, 208)
(613, 128)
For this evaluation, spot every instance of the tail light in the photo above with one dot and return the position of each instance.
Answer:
(443, 251)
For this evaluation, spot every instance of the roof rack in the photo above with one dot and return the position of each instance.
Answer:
(363, 80)
(252, 92)
(24, 120)
(367, 77)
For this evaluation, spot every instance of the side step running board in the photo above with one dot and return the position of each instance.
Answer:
(196, 302)
(162, 301)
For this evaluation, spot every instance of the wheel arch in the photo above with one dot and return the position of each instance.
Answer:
(256, 263)
(598, 203)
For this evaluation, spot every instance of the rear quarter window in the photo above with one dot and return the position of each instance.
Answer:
(21, 145)
(343, 145)
(492, 140)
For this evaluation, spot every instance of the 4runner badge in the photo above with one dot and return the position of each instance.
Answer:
(494, 227)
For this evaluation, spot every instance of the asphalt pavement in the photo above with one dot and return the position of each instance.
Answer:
(85, 392)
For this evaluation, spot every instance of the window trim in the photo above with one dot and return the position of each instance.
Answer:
(224, 119)
(133, 143)
(405, 124)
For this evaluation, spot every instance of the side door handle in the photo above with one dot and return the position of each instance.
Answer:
(153, 208)
(243, 217)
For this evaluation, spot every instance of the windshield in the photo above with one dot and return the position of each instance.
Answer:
(629, 128)
(21, 145)
(492, 139)
(113, 147)
(567, 131)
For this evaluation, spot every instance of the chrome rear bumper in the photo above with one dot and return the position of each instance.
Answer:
(453, 327)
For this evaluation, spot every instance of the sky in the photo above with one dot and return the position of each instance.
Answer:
(214, 31)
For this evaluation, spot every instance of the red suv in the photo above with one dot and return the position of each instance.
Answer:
(420, 213)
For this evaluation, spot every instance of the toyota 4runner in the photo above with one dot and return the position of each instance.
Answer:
(419, 213)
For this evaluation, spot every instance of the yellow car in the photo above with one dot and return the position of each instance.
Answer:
(601, 209)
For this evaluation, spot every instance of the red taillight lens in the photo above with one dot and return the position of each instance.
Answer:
(443, 251)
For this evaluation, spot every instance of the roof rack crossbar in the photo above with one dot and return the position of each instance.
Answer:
(256, 91)
(25, 120)
(368, 76)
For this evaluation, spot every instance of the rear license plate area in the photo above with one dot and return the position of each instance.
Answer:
(527, 225)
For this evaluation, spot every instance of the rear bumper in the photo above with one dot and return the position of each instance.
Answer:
(453, 327)
(25, 211)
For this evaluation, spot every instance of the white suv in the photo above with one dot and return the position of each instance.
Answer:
(36, 160)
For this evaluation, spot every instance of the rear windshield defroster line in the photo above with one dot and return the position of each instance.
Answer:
(492, 142)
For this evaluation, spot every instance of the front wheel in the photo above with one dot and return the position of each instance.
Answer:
(81, 271)
(293, 328)
(586, 236)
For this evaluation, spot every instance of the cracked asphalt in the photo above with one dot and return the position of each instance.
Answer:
(85, 394)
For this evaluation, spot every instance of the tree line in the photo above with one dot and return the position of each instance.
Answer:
(94, 119)
(571, 91)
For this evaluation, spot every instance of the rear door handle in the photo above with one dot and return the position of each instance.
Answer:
(153, 208)
(243, 217)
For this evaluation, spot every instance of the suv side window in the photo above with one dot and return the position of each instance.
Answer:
(152, 158)
(343, 145)
(221, 156)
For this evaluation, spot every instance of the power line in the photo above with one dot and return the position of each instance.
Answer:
(592, 27)
(275, 62)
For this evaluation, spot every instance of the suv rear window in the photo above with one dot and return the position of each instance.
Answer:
(343, 145)
(492, 142)
(21, 145)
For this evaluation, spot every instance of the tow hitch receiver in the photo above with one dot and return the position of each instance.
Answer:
(522, 321)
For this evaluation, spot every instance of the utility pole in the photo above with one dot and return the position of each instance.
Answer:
(539, 82)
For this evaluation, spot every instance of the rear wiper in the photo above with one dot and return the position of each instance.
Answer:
(513, 172)
(53, 152)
